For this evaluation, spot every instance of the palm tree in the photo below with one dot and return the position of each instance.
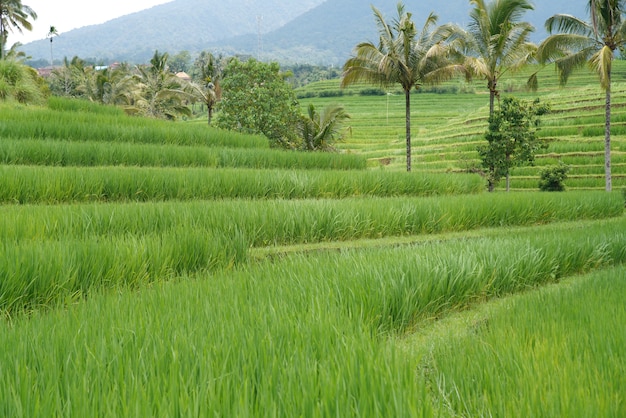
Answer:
(319, 130)
(51, 34)
(592, 43)
(158, 93)
(13, 15)
(403, 56)
(496, 41)
(208, 91)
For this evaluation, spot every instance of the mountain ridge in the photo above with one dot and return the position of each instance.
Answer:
(312, 31)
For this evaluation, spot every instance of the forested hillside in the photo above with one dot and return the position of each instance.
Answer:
(308, 31)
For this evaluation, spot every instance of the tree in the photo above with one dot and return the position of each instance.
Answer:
(496, 42)
(51, 34)
(579, 43)
(75, 78)
(157, 92)
(20, 83)
(207, 90)
(181, 61)
(114, 85)
(319, 130)
(256, 99)
(13, 15)
(512, 139)
(403, 56)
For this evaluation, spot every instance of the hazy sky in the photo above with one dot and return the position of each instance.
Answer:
(66, 15)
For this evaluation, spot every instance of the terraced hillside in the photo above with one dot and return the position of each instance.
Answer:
(449, 122)
(150, 268)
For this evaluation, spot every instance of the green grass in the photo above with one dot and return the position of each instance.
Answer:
(19, 122)
(312, 333)
(66, 251)
(92, 154)
(448, 127)
(559, 350)
(37, 184)
(169, 269)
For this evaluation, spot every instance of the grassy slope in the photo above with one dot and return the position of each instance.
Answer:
(187, 320)
(448, 127)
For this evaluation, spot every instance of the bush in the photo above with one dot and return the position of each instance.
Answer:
(552, 178)
(372, 92)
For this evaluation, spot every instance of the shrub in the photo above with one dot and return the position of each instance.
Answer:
(552, 178)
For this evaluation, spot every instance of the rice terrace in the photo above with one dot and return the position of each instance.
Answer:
(157, 266)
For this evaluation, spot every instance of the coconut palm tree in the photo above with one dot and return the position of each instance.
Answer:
(319, 130)
(208, 90)
(403, 56)
(578, 43)
(496, 41)
(157, 92)
(13, 15)
(51, 34)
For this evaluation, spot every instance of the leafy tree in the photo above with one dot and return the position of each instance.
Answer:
(496, 41)
(257, 99)
(578, 43)
(13, 15)
(512, 139)
(403, 56)
(320, 130)
(181, 61)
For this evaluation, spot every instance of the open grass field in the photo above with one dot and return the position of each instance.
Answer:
(169, 269)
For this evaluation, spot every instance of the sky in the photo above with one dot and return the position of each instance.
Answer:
(66, 15)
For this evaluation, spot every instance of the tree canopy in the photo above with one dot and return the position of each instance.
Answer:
(257, 99)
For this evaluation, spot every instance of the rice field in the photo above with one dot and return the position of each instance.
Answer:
(168, 269)
(447, 128)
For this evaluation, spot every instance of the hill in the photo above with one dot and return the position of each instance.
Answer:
(310, 31)
(176, 26)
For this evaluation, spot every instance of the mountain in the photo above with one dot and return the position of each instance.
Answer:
(176, 26)
(328, 33)
(307, 31)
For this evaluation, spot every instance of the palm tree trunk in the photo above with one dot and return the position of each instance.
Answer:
(607, 137)
(407, 95)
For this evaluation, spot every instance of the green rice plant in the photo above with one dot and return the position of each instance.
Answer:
(303, 334)
(554, 352)
(424, 281)
(46, 124)
(283, 222)
(65, 104)
(52, 252)
(43, 273)
(237, 345)
(27, 184)
(66, 153)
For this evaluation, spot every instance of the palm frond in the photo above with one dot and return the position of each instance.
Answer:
(563, 23)
(555, 47)
(601, 63)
